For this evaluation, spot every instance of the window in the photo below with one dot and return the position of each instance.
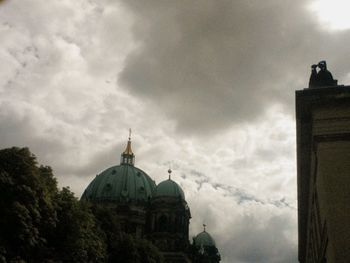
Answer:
(163, 223)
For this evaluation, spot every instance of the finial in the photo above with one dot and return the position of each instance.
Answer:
(204, 225)
(169, 172)
(129, 134)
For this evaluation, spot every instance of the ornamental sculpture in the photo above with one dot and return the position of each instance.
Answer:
(322, 77)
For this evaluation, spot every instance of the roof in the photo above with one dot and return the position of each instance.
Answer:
(169, 188)
(121, 183)
(204, 239)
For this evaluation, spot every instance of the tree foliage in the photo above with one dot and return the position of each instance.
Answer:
(76, 238)
(26, 207)
(41, 223)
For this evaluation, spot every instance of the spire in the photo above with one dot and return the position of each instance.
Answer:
(128, 156)
(128, 147)
(204, 225)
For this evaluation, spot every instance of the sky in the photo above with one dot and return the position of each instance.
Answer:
(207, 88)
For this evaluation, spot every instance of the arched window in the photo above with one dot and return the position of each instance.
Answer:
(163, 223)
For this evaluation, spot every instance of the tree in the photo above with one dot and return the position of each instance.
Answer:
(76, 237)
(38, 222)
(26, 209)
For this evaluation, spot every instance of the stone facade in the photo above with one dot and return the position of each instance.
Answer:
(323, 173)
(169, 219)
(169, 223)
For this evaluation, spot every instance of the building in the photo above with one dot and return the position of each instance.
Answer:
(158, 213)
(205, 248)
(323, 174)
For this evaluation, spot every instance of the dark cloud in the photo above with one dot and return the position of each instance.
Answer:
(210, 64)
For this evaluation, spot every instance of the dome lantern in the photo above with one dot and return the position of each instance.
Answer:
(128, 157)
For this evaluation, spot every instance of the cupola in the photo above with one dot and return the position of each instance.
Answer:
(128, 157)
(204, 239)
(206, 250)
(169, 188)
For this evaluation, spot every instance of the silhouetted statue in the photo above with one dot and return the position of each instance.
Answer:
(313, 77)
(322, 78)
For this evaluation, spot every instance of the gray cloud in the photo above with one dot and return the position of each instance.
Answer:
(75, 76)
(245, 228)
(210, 64)
(267, 242)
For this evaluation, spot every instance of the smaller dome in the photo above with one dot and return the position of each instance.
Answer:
(204, 239)
(169, 188)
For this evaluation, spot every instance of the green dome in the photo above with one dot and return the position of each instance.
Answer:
(169, 188)
(204, 239)
(121, 183)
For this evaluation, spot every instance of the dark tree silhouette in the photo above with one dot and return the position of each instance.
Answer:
(40, 223)
(26, 205)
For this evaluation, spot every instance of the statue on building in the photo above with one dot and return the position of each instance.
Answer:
(322, 78)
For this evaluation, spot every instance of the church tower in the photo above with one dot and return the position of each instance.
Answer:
(169, 221)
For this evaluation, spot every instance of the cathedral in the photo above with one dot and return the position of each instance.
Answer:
(158, 213)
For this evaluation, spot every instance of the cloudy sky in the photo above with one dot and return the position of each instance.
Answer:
(206, 86)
